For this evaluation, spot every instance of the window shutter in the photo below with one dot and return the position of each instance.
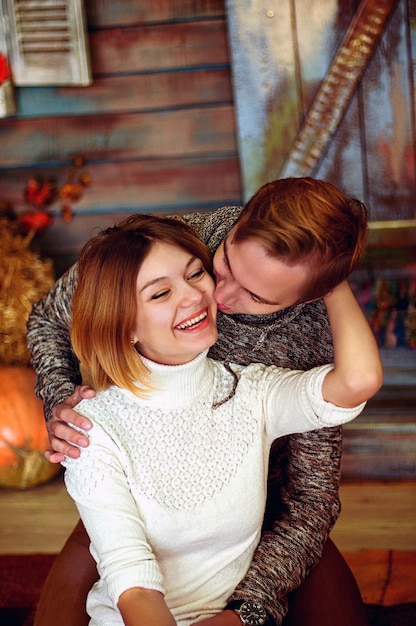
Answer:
(47, 42)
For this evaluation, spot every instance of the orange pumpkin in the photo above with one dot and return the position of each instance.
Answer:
(23, 434)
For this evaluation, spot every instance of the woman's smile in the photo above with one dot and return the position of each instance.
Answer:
(196, 322)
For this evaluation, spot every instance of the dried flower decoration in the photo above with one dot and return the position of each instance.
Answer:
(41, 194)
(24, 275)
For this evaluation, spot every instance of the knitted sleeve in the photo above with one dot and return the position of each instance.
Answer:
(98, 484)
(56, 366)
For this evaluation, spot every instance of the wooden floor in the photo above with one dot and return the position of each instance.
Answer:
(374, 515)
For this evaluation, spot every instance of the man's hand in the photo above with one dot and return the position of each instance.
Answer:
(61, 436)
(225, 618)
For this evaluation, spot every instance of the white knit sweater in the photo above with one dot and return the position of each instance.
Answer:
(172, 490)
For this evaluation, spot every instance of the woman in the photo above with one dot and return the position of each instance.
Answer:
(172, 486)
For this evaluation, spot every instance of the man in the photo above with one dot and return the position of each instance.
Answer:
(273, 261)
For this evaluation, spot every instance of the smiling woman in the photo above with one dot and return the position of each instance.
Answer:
(143, 268)
(176, 310)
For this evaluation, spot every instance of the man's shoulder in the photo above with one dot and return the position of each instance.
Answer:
(212, 226)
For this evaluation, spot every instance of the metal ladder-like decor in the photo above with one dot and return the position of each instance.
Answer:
(337, 88)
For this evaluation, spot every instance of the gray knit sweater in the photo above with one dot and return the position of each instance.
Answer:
(304, 475)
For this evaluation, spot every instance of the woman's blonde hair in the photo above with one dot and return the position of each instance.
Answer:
(305, 220)
(105, 304)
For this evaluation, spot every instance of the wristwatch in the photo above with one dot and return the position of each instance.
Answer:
(251, 613)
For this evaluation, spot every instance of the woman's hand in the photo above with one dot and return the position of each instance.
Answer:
(63, 438)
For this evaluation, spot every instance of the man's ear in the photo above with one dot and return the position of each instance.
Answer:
(328, 293)
(318, 298)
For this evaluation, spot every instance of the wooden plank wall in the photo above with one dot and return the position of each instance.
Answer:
(156, 127)
(288, 51)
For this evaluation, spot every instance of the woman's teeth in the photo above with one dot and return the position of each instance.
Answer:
(192, 322)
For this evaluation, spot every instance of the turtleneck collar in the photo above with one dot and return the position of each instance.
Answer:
(176, 385)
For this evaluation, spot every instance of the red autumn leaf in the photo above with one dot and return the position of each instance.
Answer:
(31, 189)
(38, 221)
(40, 193)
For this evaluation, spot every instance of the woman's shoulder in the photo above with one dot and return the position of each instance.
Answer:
(245, 379)
(106, 403)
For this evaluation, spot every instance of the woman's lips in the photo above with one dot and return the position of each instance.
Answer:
(194, 321)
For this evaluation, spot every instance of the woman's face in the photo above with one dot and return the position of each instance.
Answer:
(176, 310)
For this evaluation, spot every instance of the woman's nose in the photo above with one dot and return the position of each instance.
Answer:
(191, 294)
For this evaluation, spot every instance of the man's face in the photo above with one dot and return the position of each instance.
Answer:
(249, 281)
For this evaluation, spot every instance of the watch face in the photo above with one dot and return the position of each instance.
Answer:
(252, 614)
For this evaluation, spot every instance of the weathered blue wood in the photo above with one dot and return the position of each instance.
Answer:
(168, 184)
(156, 128)
(109, 13)
(127, 94)
(133, 71)
(128, 137)
(290, 65)
(265, 85)
(389, 124)
(160, 47)
(343, 163)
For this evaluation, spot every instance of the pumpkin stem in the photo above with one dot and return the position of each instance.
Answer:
(30, 469)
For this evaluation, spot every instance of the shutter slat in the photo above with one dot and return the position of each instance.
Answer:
(48, 44)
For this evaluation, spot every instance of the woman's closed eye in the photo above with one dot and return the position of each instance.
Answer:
(197, 274)
(160, 294)
(194, 276)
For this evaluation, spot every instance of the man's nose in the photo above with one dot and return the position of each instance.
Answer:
(226, 291)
